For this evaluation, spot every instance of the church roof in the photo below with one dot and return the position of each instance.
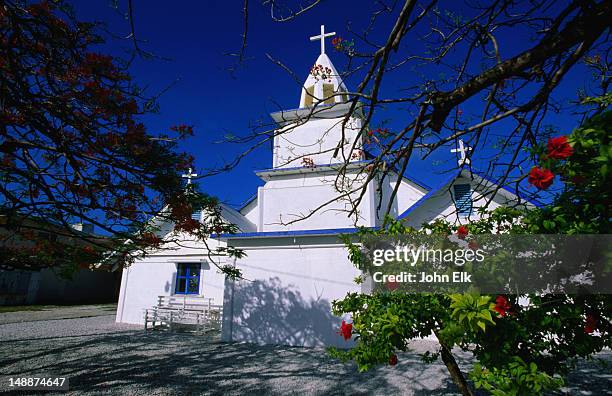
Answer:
(466, 173)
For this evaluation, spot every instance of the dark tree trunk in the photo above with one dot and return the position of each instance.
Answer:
(455, 372)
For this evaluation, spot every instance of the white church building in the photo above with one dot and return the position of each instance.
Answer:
(295, 263)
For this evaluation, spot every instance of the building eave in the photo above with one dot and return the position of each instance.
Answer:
(267, 174)
(283, 234)
(320, 111)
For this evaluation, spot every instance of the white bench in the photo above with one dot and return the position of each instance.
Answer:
(185, 310)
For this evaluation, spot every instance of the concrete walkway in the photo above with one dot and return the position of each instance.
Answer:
(100, 357)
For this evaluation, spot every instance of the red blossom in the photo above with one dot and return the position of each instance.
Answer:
(540, 178)
(189, 225)
(392, 285)
(151, 239)
(346, 330)
(308, 162)
(590, 324)
(502, 306)
(393, 360)
(183, 130)
(559, 148)
(462, 232)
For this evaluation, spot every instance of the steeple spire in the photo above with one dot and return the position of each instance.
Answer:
(323, 85)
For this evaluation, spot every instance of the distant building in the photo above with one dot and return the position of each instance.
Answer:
(47, 286)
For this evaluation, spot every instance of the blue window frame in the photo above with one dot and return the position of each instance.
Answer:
(187, 278)
(463, 199)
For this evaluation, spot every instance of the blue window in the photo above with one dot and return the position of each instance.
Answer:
(463, 199)
(196, 215)
(188, 278)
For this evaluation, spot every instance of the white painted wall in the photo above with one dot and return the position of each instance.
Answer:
(251, 212)
(155, 275)
(287, 198)
(316, 139)
(407, 194)
(287, 300)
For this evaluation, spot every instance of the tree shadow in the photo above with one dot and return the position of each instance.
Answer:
(154, 362)
(268, 312)
(138, 362)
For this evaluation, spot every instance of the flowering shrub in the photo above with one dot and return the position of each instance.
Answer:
(74, 115)
(519, 349)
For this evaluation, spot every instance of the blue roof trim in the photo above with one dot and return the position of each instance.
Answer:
(425, 197)
(248, 201)
(483, 175)
(417, 182)
(277, 234)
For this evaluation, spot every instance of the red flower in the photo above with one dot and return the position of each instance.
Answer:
(502, 306)
(346, 330)
(559, 148)
(591, 323)
(392, 285)
(462, 232)
(393, 360)
(541, 178)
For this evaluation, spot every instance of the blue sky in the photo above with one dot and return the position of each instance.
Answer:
(196, 37)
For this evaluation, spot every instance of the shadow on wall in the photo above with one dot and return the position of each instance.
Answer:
(267, 312)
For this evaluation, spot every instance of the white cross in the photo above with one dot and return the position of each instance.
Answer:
(463, 149)
(322, 38)
(189, 176)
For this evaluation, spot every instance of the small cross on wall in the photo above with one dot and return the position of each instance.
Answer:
(462, 150)
(189, 175)
(322, 37)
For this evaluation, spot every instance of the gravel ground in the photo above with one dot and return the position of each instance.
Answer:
(101, 357)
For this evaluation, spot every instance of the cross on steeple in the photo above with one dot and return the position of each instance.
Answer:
(189, 175)
(463, 149)
(322, 38)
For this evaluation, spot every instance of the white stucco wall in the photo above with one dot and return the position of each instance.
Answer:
(316, 139)
(153, 276)
(287, 299)
(251, 212)
(407, 194)
(288, 198)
